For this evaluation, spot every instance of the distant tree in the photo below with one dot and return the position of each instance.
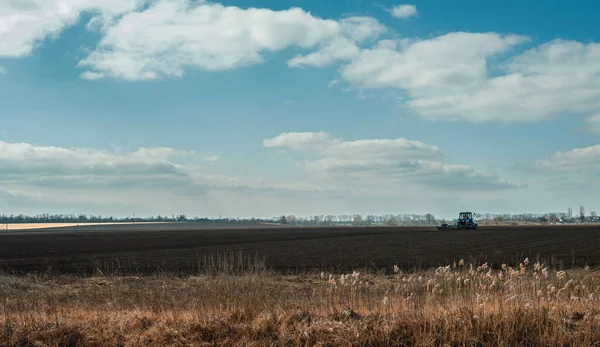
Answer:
(582, 213)
(291, 219)
(430, 218)
(391, 220)
(357, 220)
(593, 214)
(329, 219)
(370, 220)
(569, 212)
(498, 219)
(283, 220)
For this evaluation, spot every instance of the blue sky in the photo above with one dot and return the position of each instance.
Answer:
(248, 108)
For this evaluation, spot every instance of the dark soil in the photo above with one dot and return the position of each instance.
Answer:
(181, 247)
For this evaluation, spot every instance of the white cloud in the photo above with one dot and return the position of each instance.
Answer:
(567, 177)
(23, 162)
(338, 176)
(170, 36)
(450, 77)
(333, 83)
(82, 177)
(148, 180)
(338, 49)
(593, 123)
(354, 30)
(447, 61)
(584, 160)
(404, 11)
(373, 161)
(165, 37)
(24, 23)
(300, 141)
(456, 76)
(92, 76)
(397, 174)
(325, 145)
(360, 29)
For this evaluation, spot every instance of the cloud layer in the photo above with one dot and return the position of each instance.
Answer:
(475, 77)
(337, 176)
(148, 180)
(393, 161)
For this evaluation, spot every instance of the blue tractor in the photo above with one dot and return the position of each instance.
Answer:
(465, 221)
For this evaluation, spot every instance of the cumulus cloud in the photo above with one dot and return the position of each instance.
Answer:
(404, 11)
(584, 160)
(450, 77)
(144, 40)
(170, 36)
(323, 144)
(397, 161)
(27, 164)
(568, 176)
(151, 180)
(354, 30)
(25, 23)
(446, 61)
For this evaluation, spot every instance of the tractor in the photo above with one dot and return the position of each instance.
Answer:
(465, 221)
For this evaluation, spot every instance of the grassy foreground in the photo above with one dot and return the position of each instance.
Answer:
(457, 305)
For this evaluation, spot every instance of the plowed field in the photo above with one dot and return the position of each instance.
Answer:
(180, 247)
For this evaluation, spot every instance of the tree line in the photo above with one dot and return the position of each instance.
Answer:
(84, 218)
(402, 219)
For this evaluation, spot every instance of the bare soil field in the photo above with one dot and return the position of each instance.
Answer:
(184, 247)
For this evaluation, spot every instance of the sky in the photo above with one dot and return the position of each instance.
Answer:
(245, 108)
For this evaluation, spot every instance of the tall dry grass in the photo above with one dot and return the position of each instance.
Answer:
(235, 301)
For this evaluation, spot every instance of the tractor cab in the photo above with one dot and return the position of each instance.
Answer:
(465, 217)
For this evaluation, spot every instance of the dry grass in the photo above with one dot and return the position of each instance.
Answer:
(243, 304)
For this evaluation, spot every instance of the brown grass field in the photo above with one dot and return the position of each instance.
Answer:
(179, 286)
